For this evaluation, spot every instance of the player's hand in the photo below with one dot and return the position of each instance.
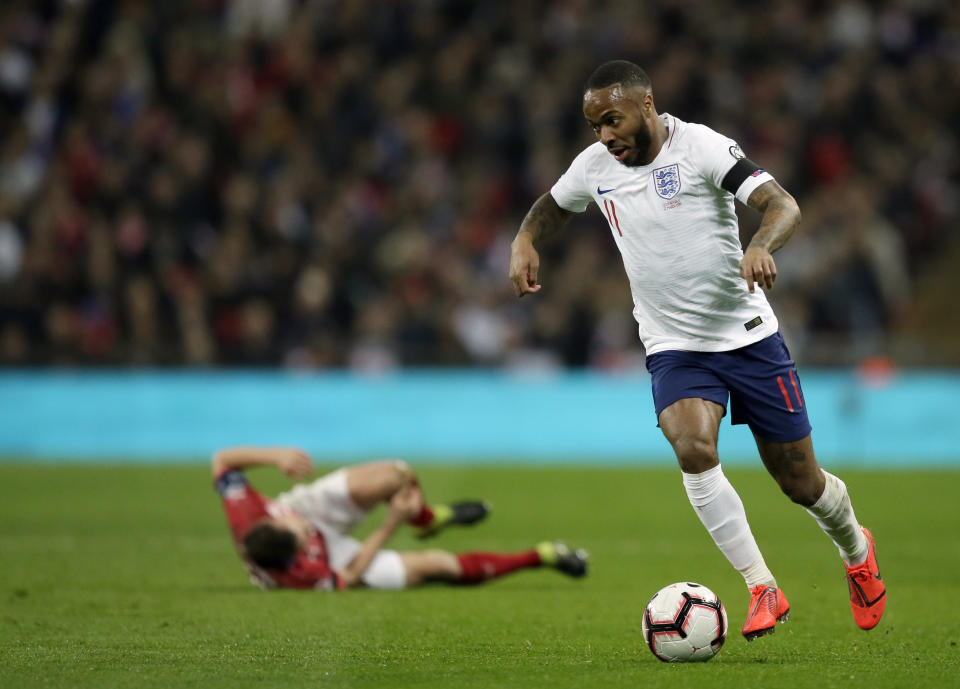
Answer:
(524, 265)
(407, 502)
(294, 462)
(757, 267)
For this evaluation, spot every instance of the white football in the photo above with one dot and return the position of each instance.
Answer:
(684, 622)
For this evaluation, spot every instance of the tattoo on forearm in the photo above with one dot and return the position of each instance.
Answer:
(781, 215)
(544, 218)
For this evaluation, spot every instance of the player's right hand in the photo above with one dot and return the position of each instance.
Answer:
(294, 462)
(524, 265)
(407, 502)
(757, 267)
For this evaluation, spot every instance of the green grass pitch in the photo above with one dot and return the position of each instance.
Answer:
(121, 576)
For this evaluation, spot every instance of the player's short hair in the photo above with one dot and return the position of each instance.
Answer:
(270, 547)
(618, 72)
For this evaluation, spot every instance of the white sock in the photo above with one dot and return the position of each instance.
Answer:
(834, 514)
(721, 512)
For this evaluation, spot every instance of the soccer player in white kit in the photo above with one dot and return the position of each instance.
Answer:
(666, 188)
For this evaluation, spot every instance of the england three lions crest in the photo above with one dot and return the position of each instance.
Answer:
(666, 181)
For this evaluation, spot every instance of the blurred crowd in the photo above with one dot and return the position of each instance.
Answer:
(335, 183)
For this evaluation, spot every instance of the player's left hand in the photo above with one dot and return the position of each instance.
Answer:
(757, 267)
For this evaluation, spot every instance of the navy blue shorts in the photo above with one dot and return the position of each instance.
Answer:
(760, 379)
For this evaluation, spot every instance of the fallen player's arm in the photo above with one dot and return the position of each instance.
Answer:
(404, 505)
(293, 462)
(371, 546)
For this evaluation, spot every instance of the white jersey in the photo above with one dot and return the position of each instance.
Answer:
(677, 231)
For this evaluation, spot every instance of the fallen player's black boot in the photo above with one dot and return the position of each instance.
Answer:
(557, 555)
(462, 513)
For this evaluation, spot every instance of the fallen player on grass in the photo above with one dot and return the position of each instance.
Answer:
(301, 539)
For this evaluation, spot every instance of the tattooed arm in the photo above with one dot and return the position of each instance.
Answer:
(544, 219)
(781, 215)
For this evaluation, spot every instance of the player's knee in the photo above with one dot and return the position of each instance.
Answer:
(799, 489)
(695, 453)
(431, 565)
(442, 563)
(397, 474)
(403, 473)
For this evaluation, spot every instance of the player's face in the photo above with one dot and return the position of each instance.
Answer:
(619, 118)
(300, 527)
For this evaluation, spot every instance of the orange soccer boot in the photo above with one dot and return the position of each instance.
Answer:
(868, 594)
(768, 606)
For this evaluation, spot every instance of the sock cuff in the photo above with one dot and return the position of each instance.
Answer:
(702, 487)
(424, 517)
(834, 490)
(757, 573)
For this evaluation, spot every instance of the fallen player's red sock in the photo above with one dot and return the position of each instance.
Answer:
(478, 567)
(424, 517)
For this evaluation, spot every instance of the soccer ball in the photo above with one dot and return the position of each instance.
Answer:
(684, 622)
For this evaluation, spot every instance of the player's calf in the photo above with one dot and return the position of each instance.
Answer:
(478, 567)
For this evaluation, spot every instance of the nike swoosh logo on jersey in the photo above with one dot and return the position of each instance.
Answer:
(601, 192)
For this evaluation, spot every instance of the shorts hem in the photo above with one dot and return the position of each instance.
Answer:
(721, 402)
(776, 437)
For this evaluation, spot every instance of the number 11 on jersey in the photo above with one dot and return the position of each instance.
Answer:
(611, 211)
